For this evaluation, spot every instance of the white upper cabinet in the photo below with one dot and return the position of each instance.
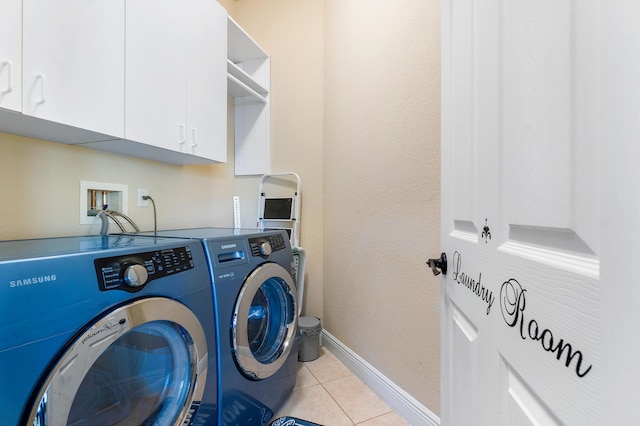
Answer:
(11, 55)
(73, 63)
(145, 78)
(175, 77)
(156, 102)
(206, 80)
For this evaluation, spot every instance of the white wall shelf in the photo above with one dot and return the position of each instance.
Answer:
(242, 47)
(248, 82)
(242, 84)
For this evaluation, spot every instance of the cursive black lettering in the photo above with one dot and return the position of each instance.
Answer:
(512, 305)
(549, 341)
(561, 347)
(533, 335)
(473, 285)
(457, 263)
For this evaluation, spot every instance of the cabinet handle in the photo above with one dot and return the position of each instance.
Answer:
(183, 134)
(9, 66)
(194, 137)
(43, 93)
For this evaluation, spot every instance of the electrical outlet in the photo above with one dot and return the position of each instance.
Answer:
(142, 192)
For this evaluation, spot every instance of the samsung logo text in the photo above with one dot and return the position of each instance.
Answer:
(32, 280)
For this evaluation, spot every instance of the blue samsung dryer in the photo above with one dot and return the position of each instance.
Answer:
(106, 330)
(256, 316)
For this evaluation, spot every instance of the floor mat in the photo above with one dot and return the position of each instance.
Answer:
(291, 421)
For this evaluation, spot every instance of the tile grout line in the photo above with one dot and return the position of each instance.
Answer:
(330, 395)
(338, 404)
(347, 414)
(353, 422)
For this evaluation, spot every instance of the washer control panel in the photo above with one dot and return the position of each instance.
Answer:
(264, 246)
(131, 272)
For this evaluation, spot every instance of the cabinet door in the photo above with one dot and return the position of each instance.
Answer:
(73, 63)
(11, 55)
(155, 104)
(207, 80)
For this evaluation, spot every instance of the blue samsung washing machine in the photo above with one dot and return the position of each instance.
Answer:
(106, 330)
(256, 315)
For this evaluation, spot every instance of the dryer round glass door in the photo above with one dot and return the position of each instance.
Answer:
(144, 363)
(265, 321)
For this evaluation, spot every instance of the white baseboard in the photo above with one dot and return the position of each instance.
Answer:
(403, 403)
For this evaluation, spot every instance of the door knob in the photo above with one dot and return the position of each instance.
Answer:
(438, 265)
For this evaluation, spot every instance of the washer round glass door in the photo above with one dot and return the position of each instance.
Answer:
(141, 364)
(265, 321)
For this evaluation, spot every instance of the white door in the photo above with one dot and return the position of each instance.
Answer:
(540, 212)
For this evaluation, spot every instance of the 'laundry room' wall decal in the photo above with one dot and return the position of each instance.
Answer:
(475, 286)
(513, 304)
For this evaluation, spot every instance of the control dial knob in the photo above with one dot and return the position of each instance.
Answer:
(265, 248)
(135, 275)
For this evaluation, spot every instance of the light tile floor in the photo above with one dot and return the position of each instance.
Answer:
(328, 393)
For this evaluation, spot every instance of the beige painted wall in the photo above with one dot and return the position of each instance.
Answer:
(380, 142)
(382, 186)
(40, 191)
